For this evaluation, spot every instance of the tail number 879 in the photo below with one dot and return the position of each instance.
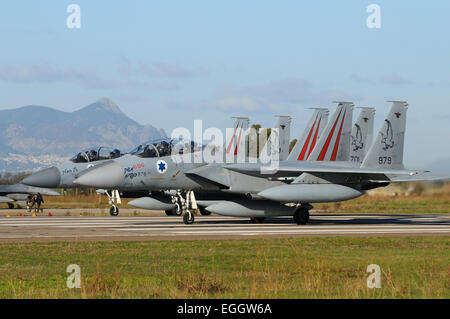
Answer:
(384, 160)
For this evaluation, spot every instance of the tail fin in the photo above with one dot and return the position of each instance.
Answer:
(387, 149)
(362, 134)
(237, 139)
(334, 144)
(284, 134)
(305, 144)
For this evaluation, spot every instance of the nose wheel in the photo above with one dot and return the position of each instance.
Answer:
(114, 210)
(187, 204)
(113, 199)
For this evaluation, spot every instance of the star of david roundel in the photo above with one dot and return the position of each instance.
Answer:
(161, 166)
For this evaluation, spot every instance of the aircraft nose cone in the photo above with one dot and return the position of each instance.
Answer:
(107, 175)
(49, 177)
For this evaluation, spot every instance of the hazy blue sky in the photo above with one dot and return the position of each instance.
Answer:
(169, 62)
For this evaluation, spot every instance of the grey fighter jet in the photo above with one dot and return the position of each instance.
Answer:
(149, 168)
(326, 176)
(63, 174)
(18, 194)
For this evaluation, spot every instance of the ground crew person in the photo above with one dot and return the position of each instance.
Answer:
(39, 201)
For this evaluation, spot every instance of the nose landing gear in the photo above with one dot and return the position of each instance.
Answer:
(186, 205)
(112, 200)
(114, 210)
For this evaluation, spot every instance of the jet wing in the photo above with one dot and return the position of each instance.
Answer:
(424, 177)
(290, 169)
(25, 189)
(4, 199)
(211, 172)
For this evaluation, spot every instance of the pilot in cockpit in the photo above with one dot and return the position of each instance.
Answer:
(163, 148)
(114, 153)
(92, 154)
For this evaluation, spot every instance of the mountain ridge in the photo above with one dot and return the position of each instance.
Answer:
(37, 131)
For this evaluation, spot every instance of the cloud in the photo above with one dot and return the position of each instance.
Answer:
(44, 72)
(279, 96)
(394, 79)
(360, 79)
(157, 69)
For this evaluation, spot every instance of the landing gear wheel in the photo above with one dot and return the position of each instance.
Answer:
(114, 211)
(256, 220)
(188, 218)
(204, 212)
(10, 206)
(176, 211)
(301, 216)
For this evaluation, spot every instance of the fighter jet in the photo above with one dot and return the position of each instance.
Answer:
(179, 172)
(18, 193)
(63, 175)
(326, 176)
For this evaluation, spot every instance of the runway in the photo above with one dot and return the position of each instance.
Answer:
(209, 227)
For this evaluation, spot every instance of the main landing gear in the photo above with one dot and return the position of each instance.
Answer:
(176, 211)
(188, 217)
(301, 214)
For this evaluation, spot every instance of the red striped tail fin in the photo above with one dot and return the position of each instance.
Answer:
(305, 144)
(334, 144)
(236, 142)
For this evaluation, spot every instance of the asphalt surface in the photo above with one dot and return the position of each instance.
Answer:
(51, 228)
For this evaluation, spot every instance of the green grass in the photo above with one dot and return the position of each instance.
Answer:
(412, 267)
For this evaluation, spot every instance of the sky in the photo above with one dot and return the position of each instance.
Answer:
(168, 63)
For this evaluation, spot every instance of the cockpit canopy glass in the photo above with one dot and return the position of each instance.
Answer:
(166, 147)
(96, 154)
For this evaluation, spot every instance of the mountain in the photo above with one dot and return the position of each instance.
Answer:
(31, 136)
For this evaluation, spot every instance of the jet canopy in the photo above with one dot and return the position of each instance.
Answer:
(166, 147)
(96, 154)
